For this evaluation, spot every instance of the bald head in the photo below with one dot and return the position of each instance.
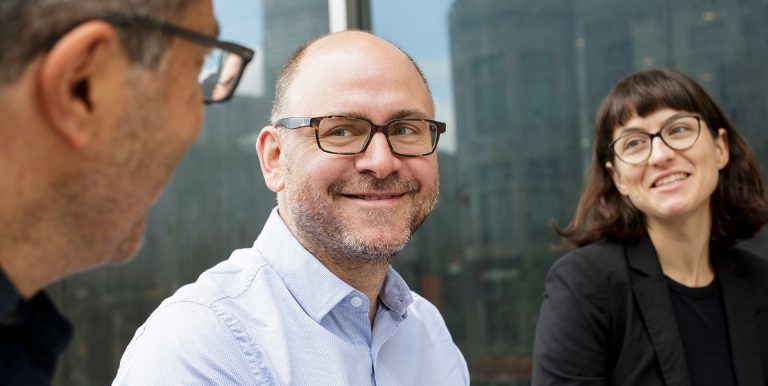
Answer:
(339, 45)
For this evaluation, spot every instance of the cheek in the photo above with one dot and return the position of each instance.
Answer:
(714, 175)
(307, 173)
(425, 171)
(628, 180)
(186, 115)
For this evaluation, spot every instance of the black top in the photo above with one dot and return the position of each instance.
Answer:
(607, 318)
(700, 317)
(32, 336)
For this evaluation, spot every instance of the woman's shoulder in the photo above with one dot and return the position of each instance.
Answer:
(606, 254)
(745, 263)
(598, 262)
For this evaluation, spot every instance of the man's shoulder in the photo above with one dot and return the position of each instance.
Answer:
(186, 341)
(222, 298)
(228, 279)
(206, 324)
(422, 307)
(206, 301)
(426, 316)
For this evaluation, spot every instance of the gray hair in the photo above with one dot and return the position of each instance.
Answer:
(29, 27)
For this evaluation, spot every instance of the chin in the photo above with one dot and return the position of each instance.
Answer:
(380, 241)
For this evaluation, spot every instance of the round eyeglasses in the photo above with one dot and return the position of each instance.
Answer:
(350, 135)
(679, 133)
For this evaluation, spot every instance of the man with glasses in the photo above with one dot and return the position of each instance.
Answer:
(351, 155)
(99, 99)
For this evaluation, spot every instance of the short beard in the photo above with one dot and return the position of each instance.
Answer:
(321, 232)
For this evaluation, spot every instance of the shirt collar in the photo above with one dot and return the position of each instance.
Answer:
(315, 288)
(9, 300)
(395, 294)
(47, 331)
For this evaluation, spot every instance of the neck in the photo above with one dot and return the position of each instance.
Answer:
(683, 249)
(34, 251)
(21, 241)
(27, 263)
(365, 277)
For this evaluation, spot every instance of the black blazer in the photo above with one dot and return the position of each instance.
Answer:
(607, 318)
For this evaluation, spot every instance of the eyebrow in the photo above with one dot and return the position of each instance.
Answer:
(664, 124)
(400, 114)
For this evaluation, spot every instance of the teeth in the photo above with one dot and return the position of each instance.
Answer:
(375, 198)
(670, 179)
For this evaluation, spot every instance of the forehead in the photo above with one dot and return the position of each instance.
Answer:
(360, 74)
(650, 122)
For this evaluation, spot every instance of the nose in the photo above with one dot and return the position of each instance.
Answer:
(378, 159)
(660, 152)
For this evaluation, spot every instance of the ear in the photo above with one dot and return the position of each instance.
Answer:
(66, 82)
(722, 152)
(268, 147)
(616, 177)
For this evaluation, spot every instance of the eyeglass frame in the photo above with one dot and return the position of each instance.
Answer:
(698, 117)
(207, 41)
(292, 123)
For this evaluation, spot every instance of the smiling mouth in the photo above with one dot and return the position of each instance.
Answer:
(670, 179)
(379, 197)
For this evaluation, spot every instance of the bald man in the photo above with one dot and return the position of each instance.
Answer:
(350, 154)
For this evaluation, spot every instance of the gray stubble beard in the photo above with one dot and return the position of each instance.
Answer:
(324, 236)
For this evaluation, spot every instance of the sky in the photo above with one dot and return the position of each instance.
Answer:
(419, 27)
(242, 22)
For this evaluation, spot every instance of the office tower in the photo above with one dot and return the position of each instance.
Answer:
(519, 160)
(287, 26)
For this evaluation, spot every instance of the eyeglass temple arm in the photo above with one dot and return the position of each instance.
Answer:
(245, 52)
(294, 123)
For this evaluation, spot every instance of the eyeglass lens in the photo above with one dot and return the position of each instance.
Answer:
(219, 74)
(636, 147)
(350, 135)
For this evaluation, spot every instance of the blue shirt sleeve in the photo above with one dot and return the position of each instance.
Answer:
(184, 343)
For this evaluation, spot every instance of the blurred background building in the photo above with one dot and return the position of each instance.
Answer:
(518, 82)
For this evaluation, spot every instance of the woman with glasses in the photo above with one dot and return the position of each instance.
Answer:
(656, 293)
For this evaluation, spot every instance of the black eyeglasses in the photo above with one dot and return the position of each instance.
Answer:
(222, 67)
(350, 135)
(678, 133)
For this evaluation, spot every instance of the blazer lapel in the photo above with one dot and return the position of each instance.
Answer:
(652, 295)
(739, 314)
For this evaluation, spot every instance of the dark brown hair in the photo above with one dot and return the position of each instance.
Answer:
(739, 204)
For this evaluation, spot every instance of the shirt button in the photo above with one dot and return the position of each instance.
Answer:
(356, 301)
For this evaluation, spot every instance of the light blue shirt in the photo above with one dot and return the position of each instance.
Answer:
(274, 315)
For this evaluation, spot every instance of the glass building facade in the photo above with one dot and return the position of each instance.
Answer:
(518, 82)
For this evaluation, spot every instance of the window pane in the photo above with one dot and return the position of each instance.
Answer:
(519, 82)
(216, 201)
